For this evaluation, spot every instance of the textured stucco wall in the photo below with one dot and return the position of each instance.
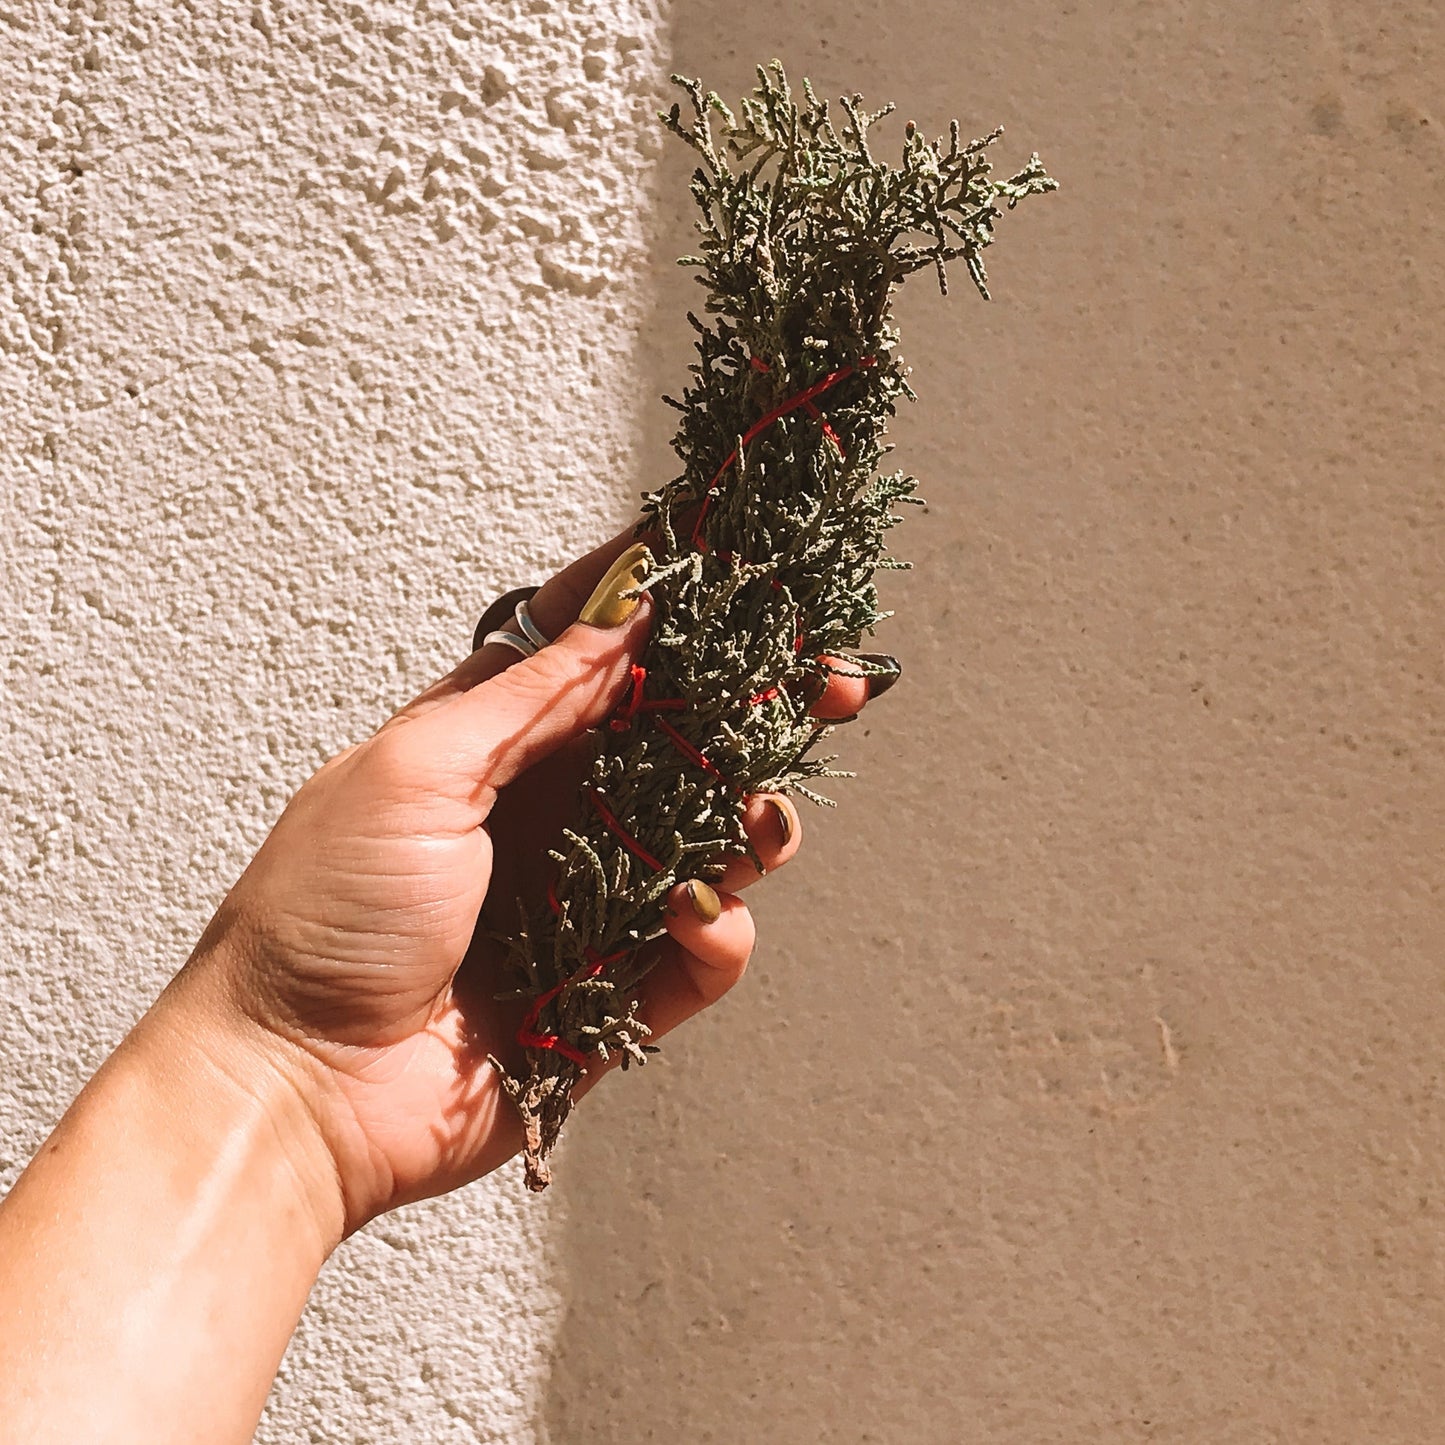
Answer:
(316, 332)
(1086, 1085)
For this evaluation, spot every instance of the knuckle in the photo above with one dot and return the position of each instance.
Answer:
(535, 678)
(394, 760)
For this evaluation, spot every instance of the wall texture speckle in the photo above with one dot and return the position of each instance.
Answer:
(1086, 1084)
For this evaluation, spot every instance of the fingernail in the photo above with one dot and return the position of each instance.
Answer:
(785, 818)
(609, 605)
(705, 902)
(880, 682)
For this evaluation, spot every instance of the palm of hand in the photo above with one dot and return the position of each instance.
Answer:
(381, 874)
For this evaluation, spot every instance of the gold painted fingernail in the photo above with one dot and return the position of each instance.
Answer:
(609, 605)
(705, 902)
(785, 818)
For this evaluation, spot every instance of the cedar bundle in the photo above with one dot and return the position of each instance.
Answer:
(769, 537)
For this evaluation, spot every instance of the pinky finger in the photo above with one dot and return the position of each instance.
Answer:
(714, 935)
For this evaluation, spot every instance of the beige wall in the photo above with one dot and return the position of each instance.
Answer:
(1086, 1084)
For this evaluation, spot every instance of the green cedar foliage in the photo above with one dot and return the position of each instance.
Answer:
(804, 234)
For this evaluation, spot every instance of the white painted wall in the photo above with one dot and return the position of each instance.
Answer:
(316, 333)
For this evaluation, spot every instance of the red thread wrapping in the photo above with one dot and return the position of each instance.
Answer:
(528, 1035)
(689, 750)
(803, 398)
(609, 820)
(635, 703)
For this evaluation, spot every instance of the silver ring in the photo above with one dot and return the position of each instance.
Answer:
(524, 645)
(530, 630)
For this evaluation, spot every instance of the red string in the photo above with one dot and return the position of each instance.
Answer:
(688, 750)
(609, 819)
(802, 399)
(827, 428)
(635, 703)
(527, 1034)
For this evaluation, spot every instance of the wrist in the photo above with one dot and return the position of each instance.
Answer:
(227, 1077)
(178, 1216)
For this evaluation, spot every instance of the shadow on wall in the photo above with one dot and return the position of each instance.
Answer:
(1080, 1086)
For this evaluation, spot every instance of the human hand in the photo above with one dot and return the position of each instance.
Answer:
(348, 955)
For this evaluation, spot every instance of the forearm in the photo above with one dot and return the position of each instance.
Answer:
(156, 1254)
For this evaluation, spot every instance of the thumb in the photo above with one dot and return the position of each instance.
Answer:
(486, 736)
